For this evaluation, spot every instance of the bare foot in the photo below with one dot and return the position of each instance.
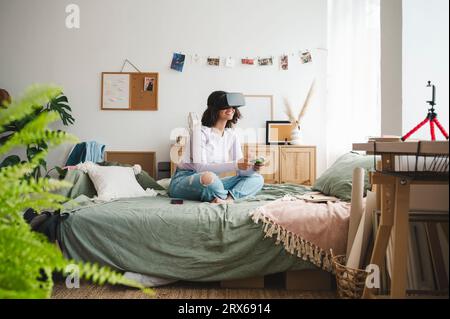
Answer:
(216, 200)
(230, 199)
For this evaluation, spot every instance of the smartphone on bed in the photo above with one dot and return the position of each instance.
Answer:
(176, 201)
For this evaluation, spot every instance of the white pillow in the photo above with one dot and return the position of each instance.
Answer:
(164, 183)
(112, 182)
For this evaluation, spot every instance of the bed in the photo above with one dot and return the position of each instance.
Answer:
(194, 241)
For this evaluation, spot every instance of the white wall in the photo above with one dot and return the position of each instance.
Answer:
(425, 57)
(36, 47)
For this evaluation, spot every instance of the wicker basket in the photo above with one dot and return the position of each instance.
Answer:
(350, 282)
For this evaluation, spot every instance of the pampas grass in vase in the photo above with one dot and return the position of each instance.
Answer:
(296, 120)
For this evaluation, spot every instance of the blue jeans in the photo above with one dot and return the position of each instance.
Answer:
(187, 185)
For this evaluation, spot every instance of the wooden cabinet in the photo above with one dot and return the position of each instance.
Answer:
(297, 165)
(286, 163)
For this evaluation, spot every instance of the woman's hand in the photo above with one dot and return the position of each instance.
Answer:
(257, 166)
(245, 165)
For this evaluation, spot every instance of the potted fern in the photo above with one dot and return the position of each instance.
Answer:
(27, 259)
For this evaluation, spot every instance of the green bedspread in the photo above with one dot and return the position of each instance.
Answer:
(194, 241)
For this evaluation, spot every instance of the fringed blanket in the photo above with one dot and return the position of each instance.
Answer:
(310, 230)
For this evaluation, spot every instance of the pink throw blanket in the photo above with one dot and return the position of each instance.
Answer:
(311, 230)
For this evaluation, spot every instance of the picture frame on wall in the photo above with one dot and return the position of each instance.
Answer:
(278, 132)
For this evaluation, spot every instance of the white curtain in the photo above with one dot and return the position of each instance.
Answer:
(353, 97)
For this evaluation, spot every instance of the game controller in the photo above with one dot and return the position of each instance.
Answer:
(258, 161)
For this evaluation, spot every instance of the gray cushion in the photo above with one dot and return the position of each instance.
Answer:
(337, 180)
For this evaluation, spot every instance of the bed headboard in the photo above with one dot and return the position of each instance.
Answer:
(147, 160)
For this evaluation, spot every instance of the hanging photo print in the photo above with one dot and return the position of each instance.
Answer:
(149, 83)
(213, 61)
(178, 62)
(195, 58)
(284, 62)
(305, 57)
(247, 61)
(265, 61)
(229, 62)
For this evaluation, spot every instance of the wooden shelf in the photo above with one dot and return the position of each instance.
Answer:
(405, 148)
(394, 192)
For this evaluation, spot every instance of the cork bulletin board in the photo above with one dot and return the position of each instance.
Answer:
(129, 91)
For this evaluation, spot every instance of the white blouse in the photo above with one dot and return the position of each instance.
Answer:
(215, 153)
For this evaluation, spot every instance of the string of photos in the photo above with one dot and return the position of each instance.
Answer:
(179, 60)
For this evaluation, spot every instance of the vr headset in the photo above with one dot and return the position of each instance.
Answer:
(221, 99)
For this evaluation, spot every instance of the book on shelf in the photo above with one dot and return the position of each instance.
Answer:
(428, 253)
(443, 239)
(438, 245)
(426, 273)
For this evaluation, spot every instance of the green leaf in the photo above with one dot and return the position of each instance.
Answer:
(43, 163)
(60, 105)
(43, 145)
(10, 161)
(66, 106)
(5, 138)
(31, 152)
(60, 99)
(62, 172)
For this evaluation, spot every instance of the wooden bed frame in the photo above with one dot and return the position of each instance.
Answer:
(306, 280)
(147, 160)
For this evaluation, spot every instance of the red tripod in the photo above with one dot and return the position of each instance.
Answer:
(431, 117)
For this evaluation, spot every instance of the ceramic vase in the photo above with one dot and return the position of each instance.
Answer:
(295, 135)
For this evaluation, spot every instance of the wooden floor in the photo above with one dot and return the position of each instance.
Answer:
(183, 290)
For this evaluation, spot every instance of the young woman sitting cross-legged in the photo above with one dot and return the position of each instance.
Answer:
(219, 151)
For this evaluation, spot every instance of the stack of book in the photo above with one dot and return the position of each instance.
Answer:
(428, 254)
(385, 138)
